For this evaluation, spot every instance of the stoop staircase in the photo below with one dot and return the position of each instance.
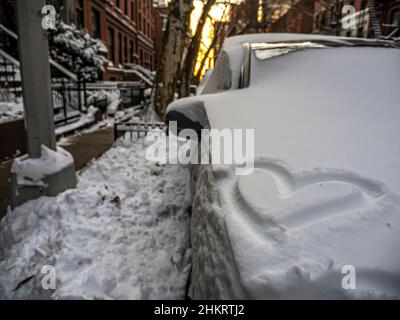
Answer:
(69, 94)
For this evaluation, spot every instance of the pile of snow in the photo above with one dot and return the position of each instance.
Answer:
(144, 74)
(114, 102)
(10, 111)
(123, 233)
(113, 98)
(85, 120)
(30, 170)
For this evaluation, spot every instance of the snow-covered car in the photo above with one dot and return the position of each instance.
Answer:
(319, 217)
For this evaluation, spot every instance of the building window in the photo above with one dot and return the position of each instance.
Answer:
(111, 45)
(333, 14)
(132, 10)
(323, 18)
(126, 7)
(131, 51)
(140, 21)
(126, 53)
(118, 4)
(395, 18)
(96, 23)
(80, 17)
(120, 48)
(364, 4)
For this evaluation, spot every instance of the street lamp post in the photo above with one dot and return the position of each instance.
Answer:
(38, 108)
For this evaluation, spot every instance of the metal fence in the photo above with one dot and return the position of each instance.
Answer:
(10, 78)
(132, 93)
(71, 97)
(136, 130)
(69, 100)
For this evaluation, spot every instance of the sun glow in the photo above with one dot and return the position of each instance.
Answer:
(219, 13)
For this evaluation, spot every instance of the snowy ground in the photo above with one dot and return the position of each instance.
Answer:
(123, 233)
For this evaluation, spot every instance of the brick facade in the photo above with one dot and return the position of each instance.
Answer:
(324, 17)
(125, 26)
(298, 19)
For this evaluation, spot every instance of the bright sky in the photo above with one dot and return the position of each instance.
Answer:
(216, 13)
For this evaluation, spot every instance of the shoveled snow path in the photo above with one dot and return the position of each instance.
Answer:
(122, 234)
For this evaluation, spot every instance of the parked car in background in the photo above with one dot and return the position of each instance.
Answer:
(319, 217)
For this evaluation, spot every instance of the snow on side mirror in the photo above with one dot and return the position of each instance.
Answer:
(189, 113)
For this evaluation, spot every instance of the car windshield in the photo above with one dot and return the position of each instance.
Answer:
(260, 53)
(264, 51)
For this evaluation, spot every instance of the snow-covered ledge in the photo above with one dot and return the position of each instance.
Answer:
(48, 175)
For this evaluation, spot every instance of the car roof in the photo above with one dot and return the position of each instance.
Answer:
(277, 37)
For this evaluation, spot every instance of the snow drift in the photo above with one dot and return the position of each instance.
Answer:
(121, 234)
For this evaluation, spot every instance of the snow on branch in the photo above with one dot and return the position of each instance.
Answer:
(77, 51)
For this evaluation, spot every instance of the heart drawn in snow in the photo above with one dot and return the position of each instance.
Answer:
(273, 194)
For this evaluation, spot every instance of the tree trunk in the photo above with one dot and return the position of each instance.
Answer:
(171, 58)
(191, 57)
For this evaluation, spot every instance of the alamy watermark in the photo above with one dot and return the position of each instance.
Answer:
(209, 146)
(49, 277)
(349, 280)
(50, 17)
(349, 20)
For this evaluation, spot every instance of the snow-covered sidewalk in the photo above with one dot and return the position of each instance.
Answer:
(123, 233)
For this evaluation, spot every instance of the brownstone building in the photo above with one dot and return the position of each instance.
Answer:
(244, 17)
(254, 16)
(299, 18)
(373, 18)
(125, 26)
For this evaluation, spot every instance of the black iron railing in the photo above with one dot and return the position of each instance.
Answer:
(135, 130)
(69, 100)
(68, 93)
(10, 78)
(132, 93)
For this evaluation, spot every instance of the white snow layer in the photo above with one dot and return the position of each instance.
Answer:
(325, 192)
(121, 234)
(10, 111)
(114, 102)
(36, 169)
(85, 120)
